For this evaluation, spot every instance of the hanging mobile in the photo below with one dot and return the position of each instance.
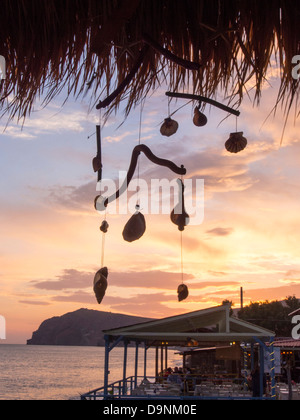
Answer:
(136, 225)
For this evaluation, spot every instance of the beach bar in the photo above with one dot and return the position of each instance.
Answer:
(192, 331)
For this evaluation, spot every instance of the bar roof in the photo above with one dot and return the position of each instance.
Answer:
(95, 47)
(204, 326)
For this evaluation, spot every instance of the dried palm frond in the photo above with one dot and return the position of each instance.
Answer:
(92, 47)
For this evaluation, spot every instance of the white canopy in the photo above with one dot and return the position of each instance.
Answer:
(207, 325)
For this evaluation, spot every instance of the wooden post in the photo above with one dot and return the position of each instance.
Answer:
(242, 298)
(252, 357)
(261, 370)
(272, 372)
(156, 363)
(99, 151)
(145, 360)
(125, 366)
(106, 365)
(136, 363)
(289, 378)
(166, 357)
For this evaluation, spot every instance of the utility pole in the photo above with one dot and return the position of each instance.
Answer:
(242, 298)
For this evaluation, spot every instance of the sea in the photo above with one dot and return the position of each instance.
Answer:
(65, 372)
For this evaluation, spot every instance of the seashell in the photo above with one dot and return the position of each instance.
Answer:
(134, 228)
(183, 292)
(236, 143)
(100, 283)
(200, 120)
(97, 165)
(179, 216)
(181, 220)
(169, 127)
(104, 226)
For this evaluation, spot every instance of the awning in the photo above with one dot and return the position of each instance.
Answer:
(204, 326)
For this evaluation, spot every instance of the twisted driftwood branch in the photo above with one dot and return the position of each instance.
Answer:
(134, 159)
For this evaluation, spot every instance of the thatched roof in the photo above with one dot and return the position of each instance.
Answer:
(93, 46)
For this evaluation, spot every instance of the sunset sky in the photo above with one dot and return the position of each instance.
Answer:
(50, 238)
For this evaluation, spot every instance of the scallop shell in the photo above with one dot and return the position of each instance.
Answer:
(236, 143)
(169, 127)
(200, 120)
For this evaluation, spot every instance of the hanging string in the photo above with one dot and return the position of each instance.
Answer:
(103, 233)
(181, 241)
(91, 135)
(140, 122)
(103, 244)
(138, 166)
(181, 256)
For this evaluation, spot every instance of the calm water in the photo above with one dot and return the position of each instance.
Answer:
(59, 372)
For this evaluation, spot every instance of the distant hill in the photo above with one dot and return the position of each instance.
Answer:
(80, 328)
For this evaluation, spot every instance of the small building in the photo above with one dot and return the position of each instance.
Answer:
(197, 330)
(289, 354)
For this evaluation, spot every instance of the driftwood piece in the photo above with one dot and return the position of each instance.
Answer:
(126, 81)
(97, 161)
(100, 283)
(203, 99)
(189, 65)
(134, 228)
(132, 167)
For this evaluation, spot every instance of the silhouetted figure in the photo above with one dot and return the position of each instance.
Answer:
(255, 376)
